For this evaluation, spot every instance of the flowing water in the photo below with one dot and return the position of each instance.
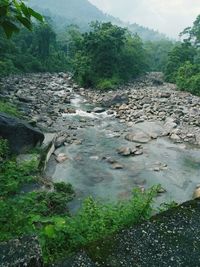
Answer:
(89, 171)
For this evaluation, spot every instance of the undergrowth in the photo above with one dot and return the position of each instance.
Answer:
(45, 213)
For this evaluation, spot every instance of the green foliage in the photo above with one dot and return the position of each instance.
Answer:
(14, 13)
(45, 214)
(183, 66)
(63, 188)
(108, 55)
(177, 57)
(4, 148)
(13, 175)
(188, 78)
(10, 109)
(35, 51)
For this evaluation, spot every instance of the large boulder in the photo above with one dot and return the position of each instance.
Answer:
(20, 135)
(109, 101)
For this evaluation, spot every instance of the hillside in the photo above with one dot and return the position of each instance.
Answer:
(82, 12)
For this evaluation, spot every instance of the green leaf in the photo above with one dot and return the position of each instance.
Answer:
(25, 10)
(36, 15)
(25, 21)
(50, 231)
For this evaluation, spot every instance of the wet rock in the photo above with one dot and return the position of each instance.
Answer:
(20, 135)
(60, 140)
(124, 151)
(196, 193)
(138, 136)
(117, 166)
(61, 158)
(161, 190)
(98, 110)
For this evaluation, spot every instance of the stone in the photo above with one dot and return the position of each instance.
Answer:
(196, 193)
(61, 158)
(175, 137)
(60, 141)
(24, 251)
(98, 110)
(117, 166)
(169, 125)
(138, 136)
(124, 151)
(109, 101)
(20, 135)
(161, 190)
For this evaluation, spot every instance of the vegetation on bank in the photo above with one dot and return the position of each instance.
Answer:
(45, 213)
(9, 108)
(183, 65)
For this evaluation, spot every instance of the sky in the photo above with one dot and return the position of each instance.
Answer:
(167, 16)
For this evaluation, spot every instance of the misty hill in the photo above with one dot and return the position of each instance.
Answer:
(82, 12)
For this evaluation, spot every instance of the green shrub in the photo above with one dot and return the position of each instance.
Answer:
(9, 108)
(3, 148)
(188, 78)
(106, 84)
(13, 175)
(64, 188)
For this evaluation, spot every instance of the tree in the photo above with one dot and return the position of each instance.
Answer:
(14, 13)
(193, 33)
(108, 55)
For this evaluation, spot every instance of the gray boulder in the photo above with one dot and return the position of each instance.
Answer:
(109, 101)
(20, 135)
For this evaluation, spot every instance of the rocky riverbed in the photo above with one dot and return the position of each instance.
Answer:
(108, 143)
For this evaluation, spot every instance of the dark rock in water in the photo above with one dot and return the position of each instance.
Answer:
(24, 251)
(116, 99)
(20, 135)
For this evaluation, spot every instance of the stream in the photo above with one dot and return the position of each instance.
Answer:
(89, 168)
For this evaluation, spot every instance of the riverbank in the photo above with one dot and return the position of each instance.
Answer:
(107, 143)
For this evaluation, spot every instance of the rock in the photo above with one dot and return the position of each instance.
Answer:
(124, 151)
(61, 158)
(169, 125)
(117, 166)
(24, 251)
(175, 137)
(26, 99)
(196, 193)
(98, 110)
(138, 152)
(60, 141)
(138, 136)
(161, 190)
(20, 135)
(109, 101)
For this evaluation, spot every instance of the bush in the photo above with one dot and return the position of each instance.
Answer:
(10, 109)
(188, 78)
(13, 175)
(3, 148)
(106, 84)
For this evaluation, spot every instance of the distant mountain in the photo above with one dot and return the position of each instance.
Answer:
(82, 12)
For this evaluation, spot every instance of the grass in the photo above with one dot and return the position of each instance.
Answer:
(10, 109)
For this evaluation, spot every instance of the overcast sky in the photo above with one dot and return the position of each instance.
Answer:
(167, 16)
